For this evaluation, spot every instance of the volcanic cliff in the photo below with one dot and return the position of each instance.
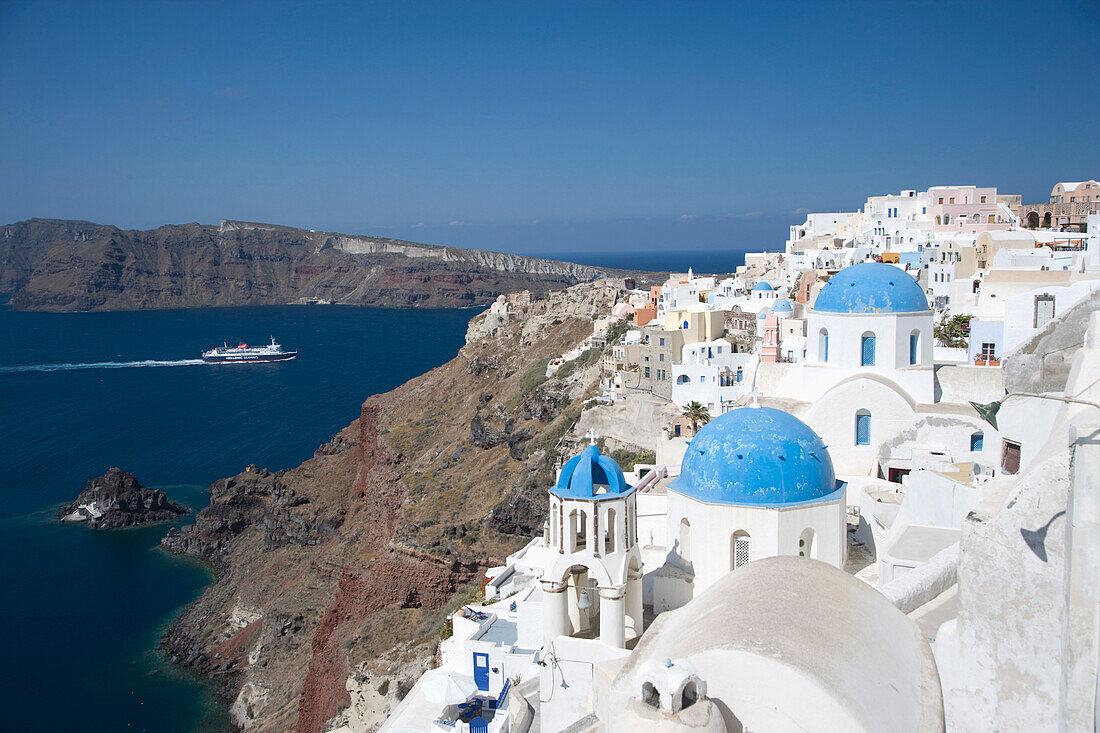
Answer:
(335, 577)
(58, 265)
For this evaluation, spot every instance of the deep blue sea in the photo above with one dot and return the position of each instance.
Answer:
(81, 392)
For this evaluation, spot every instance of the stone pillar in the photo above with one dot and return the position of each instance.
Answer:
(634, 599)
(555, 610)
(613, 617)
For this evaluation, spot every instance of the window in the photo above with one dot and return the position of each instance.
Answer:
(863, 428)
(989, 351)
(1044, 310)
(740, 548)
(806, 543)
(867, 349)
(647, 372)
(940, 200)
(685, 325)
(983, 199)
(824, 345)
(662, 341)
(1010, 457)
(685, 541)
(914, 347)
(661, 357)
(977, 441)
(702, 378)
(683, 379)
(951, 200)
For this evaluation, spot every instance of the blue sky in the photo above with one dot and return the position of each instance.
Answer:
(535, 126)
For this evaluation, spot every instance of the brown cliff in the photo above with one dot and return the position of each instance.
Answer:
(347, 565)
(57, 265)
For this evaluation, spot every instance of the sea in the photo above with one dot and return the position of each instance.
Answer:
(81, 392)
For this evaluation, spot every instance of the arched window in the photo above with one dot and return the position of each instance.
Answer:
(946, 219)
(823, 346)
(937, 219)
(867, 349)
(914, 347)
(578, 534)
(683, 379)
(863, 427)
(977, 441)
(685, 325)
(685, 541)
(609, 533)
(806, 543)
(740, 546)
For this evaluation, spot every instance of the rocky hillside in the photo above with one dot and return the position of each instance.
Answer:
(334, 578)
(55, 265)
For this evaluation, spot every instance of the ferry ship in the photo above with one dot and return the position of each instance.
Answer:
(247, 354)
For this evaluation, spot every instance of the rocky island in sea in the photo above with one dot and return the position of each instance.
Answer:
(117, 499)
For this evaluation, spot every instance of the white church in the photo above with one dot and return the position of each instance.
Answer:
(713, 595)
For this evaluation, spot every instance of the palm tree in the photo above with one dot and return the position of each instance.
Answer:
(698, 415)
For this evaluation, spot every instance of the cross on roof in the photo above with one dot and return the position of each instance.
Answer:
(592, 436)
(756, 395)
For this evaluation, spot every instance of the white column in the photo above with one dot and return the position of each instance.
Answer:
(613, 617)
(634, 599)
(555, 610)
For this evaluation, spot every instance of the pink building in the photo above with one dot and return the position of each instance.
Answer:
(769, 351)
(970, 209)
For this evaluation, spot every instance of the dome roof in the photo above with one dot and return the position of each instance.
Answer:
(591, 475)
(761, 286)
(871, 287)
(763, 314)
(758, 456)
(783, 306)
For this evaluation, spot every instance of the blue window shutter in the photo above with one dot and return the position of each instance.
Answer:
(863, 429)
(977, 440)
(912, 348)
(825, 356)
(868, 351)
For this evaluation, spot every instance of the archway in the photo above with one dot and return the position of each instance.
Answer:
(609, 533)
(1032, 220)
(1046, 220)
(740, 549)
(684, 541)
(806, 547)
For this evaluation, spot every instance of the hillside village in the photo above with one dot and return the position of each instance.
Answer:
(850, 486)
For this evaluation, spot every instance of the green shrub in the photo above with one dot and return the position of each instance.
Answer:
(534, 376)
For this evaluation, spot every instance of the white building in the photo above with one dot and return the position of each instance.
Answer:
(755, 482)
(709, 373)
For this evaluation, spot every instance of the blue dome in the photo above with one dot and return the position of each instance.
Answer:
(584, 475)
(783, 306)
(761, 286)
(871, 287)
(758, 456)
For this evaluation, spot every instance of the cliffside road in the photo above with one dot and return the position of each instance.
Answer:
(335, 576)
(58, 265)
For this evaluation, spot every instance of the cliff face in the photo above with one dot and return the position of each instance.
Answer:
(78, 266)
(337, 575)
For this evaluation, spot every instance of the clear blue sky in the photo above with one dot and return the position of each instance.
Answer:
(535, 126)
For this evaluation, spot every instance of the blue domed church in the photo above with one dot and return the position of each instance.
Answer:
(755, 482)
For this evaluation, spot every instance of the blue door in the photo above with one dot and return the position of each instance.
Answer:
(481, 671)
(868, 351)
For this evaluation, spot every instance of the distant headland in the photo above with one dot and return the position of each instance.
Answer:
(65, 265)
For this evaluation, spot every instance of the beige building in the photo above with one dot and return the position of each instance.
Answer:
(1069, 207)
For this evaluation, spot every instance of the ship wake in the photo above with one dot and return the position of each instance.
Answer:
(99, 365)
